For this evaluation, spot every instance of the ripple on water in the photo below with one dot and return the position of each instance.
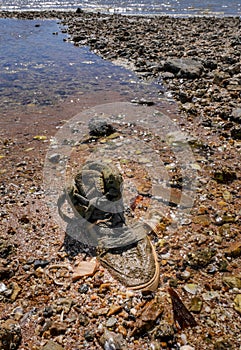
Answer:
(40, 68)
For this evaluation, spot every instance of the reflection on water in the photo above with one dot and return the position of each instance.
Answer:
(176, 7)
(38, 68)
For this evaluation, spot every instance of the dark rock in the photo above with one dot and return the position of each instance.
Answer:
(79, 10)
(10, 335)
(89, 335)
(184, 67)
(6, 248)
(100, 127)
(83, 289)
(224, 175)
(54, 158)
(200, 258)
(236, 133)
(40, 263)
(210, 64)
(48, 311)
(58, 328)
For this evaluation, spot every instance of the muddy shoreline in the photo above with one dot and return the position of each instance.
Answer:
(198, 61)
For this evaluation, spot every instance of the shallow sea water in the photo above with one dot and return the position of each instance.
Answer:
(37, 67)
(173, 7)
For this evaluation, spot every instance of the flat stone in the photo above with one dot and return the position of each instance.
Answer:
(234, 250)
(85, 268)
(232, 281)
(184, 67)
(237, 303)
(51, 345)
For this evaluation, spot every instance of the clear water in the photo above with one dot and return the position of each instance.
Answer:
(173, 7)
(37, 67)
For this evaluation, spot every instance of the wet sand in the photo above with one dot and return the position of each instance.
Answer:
(200, 258)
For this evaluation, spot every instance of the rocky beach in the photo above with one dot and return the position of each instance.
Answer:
(46, 300)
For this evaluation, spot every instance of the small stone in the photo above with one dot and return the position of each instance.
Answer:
(237, 303)
(85, 268)
(110, 340)
(89, 335)
(83, 289)
(210, 295)
(83, 320)
(48, 311)
(236, 133)
(203, 220)
(196, 305)
(40, 137)
(148, 315)
(100, 127)
(164, 331)
(58, 328)
(111, 322)
(234, 250)
(114, 309)
(232, 281)
(223, 344)
(17, 313)
(51, 345)
(54, 158)
(40, 263)
(187, 347)
(191, 288)
(15, 291)
(224, 175)
(10, 335)
(3, 287)
(200, 258)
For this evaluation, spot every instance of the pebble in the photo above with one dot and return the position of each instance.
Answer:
(191, 288)
(51, 345)
(237, 303)
(111, 322)
(83, 289)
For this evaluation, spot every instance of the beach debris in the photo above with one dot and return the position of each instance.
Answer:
(40, 137)
(182, 317)
(148, 315)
